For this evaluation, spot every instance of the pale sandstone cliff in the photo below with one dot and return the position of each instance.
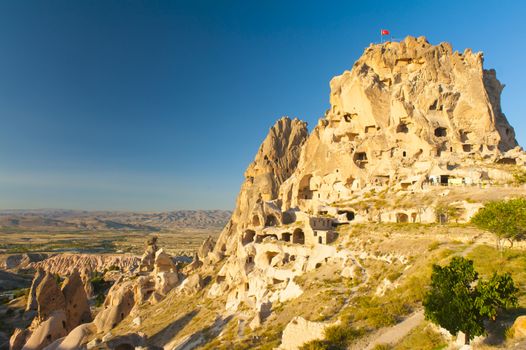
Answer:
(407, 114)
(275, 161)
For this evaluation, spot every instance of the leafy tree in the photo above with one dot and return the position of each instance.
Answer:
(459, 301)
(506, 219)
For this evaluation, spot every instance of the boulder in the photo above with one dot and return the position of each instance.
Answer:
(192, 284)
(300, 331)
(76, 339)
(165, 282)
(518, 329)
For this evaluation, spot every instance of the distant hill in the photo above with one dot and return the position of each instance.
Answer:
(60, 219)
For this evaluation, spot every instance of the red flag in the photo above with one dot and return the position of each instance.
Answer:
(384, 32)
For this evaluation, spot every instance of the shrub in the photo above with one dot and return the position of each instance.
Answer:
(337, 337)
(520, 177)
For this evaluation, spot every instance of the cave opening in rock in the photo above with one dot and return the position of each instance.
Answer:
(298, 236)
(248, 237)
(440, 132)
(271, 221)
(402, 128)
(349, 214)
(402, 217)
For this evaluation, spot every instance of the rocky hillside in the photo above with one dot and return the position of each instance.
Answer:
(334, 232)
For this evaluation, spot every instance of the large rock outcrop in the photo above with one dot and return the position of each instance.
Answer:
(408, 114)
(58, 311)
(118, 304)
(77, 308)
(275, 161)
(409, 118)
(49, 297)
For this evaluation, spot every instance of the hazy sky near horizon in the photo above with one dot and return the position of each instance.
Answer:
(159, 105)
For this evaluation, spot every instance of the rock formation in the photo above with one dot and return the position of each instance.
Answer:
(409, 114)
(47, 331)
(118, 304)
(275, 161)
(205, 248)
(49, 297)
(518, 329)
(31, 298)
(148, 258)
(66, 264)
(18, 339)
(408, 118)
(77, 308)
(300, 331)
(20, 261)
(59, 311)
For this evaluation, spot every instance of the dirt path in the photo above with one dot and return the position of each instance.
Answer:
(394, 334)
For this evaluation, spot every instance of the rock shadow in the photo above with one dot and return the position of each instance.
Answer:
(497, 329)
(171, 330)
(206, 334)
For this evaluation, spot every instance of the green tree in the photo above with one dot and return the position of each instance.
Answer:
(459, 301)
(506, 219)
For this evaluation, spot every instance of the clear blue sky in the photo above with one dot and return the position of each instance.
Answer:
(155, 105)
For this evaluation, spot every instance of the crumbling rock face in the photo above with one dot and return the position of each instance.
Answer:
(205, 248)
(49, 297)
(48, 331)
(275, 161)
(77, 308)
(408, 116)
(31, 298)
(118, 304)
(406, 111)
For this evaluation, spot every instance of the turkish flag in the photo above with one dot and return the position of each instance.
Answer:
(384, 32)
